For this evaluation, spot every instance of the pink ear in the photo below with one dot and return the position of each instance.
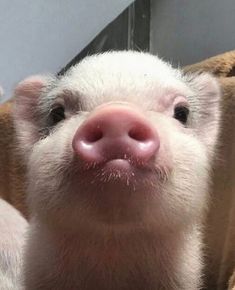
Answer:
(27, 94)
(26, 110)
(30, 87)
(207, 108)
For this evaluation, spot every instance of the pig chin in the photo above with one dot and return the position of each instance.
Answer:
(119, 190)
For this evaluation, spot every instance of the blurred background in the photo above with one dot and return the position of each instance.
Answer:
(49, 36)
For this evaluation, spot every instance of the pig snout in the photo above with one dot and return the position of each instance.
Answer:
(117, 133)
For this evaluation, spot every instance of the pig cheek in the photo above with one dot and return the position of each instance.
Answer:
(188, 183)
(47, 171)
(52, 188)
(184, 161)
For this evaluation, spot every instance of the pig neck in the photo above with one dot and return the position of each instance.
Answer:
(150, 256)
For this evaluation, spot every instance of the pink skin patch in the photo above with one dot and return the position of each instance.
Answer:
(30, 86)
(27, 93)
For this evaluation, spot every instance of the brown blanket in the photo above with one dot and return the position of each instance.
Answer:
(220, 227)
(12, 169)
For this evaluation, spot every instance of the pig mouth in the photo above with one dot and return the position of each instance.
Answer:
(123, 170)
(118, 164)
(117, 169)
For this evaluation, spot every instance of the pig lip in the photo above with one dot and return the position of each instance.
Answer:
(123, 166)
(121, 169)
(118, 164)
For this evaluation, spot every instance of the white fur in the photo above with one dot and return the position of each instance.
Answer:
(12, 238)
(157, 234)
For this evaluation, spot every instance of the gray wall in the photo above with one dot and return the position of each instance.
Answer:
(187, 31)
(44, 35)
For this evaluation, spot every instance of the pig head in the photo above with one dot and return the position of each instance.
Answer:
(120, 147)
(123, 115)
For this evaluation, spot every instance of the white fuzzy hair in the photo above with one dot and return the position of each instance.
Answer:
(12, 239)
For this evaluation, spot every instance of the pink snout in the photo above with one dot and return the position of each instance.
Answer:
(115, 132)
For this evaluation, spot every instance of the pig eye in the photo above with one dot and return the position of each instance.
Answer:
(181, 114)
(57, 115)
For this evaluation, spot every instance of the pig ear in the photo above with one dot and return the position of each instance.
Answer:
(206, 107)
(26, 110)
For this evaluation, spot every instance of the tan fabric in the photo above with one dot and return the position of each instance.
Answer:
(232, 282)
(220, 227)
(222, 65)
(12, 169)
(221, 219)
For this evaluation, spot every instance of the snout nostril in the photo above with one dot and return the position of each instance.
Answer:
(94, 135)
(138, 134)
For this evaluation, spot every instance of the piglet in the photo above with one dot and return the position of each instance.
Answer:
(119, 153)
